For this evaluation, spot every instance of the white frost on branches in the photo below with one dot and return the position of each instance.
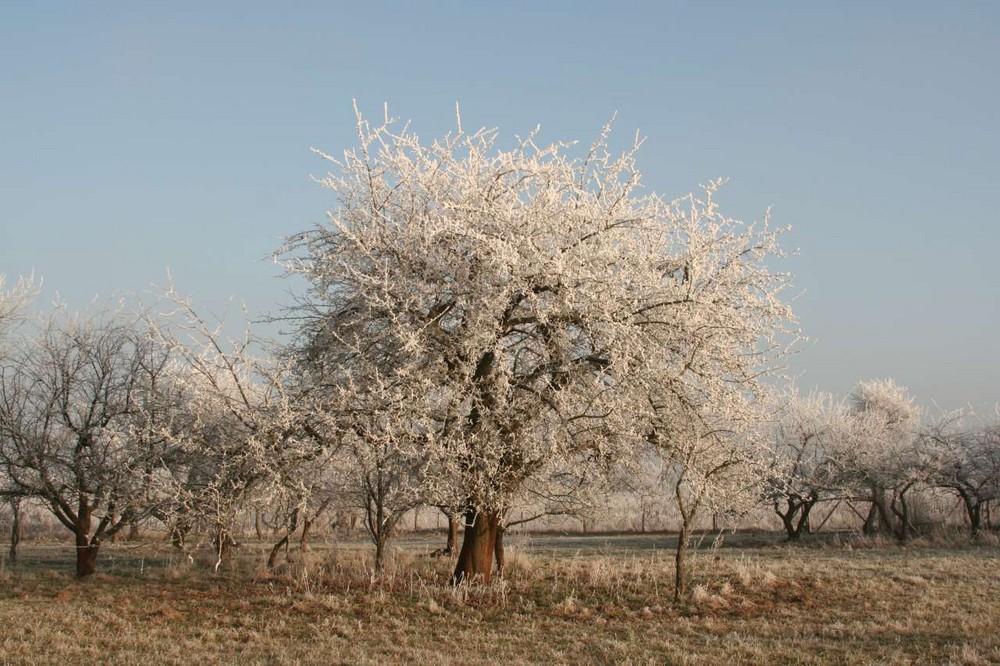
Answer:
(522, 310)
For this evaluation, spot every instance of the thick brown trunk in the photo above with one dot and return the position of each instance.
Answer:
(86, 548)
(805, 525)
(272, 558)
(475, 562)
(796, 506)
(976, 519)
(788, 517)
(133, 531)
(86, 559)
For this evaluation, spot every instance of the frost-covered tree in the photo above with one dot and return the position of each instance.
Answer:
(525, 305)
(801, 471)
(966, 461)
(81, 420)
(879, 456)
(13, 303)
(249, 436)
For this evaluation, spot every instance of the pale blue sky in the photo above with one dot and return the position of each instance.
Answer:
(137, 136)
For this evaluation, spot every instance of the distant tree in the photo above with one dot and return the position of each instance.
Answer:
(524, 302)
(879, 456)
(966, 462)
(81, 416)
(13, 303)
(800, 470)
(249, 438)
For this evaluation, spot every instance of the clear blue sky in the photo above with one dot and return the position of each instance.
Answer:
(140, 136)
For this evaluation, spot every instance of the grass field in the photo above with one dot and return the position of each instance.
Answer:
(564, 600)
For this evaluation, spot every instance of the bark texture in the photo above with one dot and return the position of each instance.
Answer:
(475, 561)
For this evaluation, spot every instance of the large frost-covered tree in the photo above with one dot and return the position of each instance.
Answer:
(522, 310)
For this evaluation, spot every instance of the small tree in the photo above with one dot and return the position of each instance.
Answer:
(879, 455)
(707, 467)
(966, 462)
(250, 436)
(801, 471)
(80, 423)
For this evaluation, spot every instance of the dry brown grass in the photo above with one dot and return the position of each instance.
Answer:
(583, 600)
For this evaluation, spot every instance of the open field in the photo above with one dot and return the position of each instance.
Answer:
(579, 599)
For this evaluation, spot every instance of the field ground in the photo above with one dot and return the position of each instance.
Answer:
(565, 599)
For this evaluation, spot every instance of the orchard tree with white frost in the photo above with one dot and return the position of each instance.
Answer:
(965, 461)
(528, 309)
(249, 436)
(82, 417)
(879, 456)
(801, 471)
(13, 303)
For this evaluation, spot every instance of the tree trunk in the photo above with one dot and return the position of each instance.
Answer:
(86, 548)
(974, 510)
(272, 558)
(16, 528)
(293, 522)
(788, 518)
(133, 531)
(258, 524)
(901, 516)
(871, 522)
(379, 553)
(475, 562)
(680, 561)
(454, 519)
(86, 557)
(304, 538)
(498, 551)
(804, 525)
